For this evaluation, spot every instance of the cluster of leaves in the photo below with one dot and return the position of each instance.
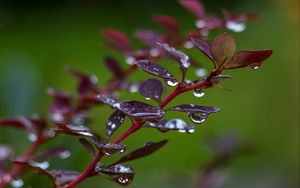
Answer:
(70, 115)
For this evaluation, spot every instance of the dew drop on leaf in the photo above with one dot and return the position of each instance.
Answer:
(32, 137)
(198, 117)
(65, 154)
(16, 183)
(172, 83)
(130, 60)
(188, 44)
(198, 93)
(236, 26)
(200, 24)
(200, 72)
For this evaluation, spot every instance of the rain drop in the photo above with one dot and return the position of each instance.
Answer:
(188, 44)
(147, 98)
(199, 93)
(65, 154)
(133, 88)
(200, 24)
(172, 83)
(198, 117)
(43, 165)
(123, 180)
(130, 60)
(201, 72)
(32, 137)
(154, 52)
(191, 130)
(16, 182)
(236, 26)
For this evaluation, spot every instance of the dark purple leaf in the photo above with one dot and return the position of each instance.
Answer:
(120, 173)
(149, 37)
(114, 66)
(60, 152)
(88, 146)
(107, 100)
(174, 124)
(247, 58)
(110, 149)
(151, 88)
(114, 122)
(19, 122)
(203, 46)
(168, 22)
(87, 83)
(194, 6)
(62, 177)
(118, 40)
(37, 167)
(77, 130)
(146, 150)
(61, 105)
(156, 70)
(192, 108)
(222, 49)
(140, 110)
(180, 57)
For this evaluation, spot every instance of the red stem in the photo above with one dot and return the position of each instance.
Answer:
(17, 168)
(136, 126)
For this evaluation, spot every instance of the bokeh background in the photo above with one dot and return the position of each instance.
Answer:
(38, 39)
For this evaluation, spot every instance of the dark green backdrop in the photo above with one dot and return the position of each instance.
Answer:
(38, 39)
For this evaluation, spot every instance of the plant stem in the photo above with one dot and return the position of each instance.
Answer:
(136, 126)
(87, 172)
(17, 168)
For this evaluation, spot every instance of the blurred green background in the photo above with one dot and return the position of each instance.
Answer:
(39, 38)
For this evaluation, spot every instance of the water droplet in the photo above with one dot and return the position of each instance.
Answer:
(65, 154)
(205, 33)
(198, 117)
(199, 93)
(200, 24)
(147, 98)
(188, 44)
(130, 60)
(236, 26)
(154, 52)
(172, 83)
(123, 180)
(191, 130)
(256, 67)
(43, 165)
(201, 72)
(182, 131)
(57, 117)
(133, 88)
(32, 137)
(16, 182)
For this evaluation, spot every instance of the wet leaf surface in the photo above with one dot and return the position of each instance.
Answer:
(110, 149)
(114, 122)
(248, 58)
(203, 46)
(146, 150)
(88, 146)
(155, 69)
(182, 59)
(174, 124)
(140, 110)
(152, 89)
(192, 108)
